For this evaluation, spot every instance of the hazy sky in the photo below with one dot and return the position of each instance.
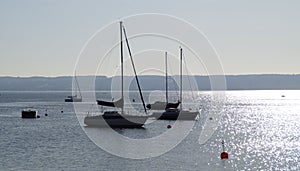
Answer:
(251, 37)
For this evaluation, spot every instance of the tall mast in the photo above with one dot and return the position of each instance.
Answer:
(121, 55)
(133, 67)
(77, 86)
(180, 78)
(166, 63)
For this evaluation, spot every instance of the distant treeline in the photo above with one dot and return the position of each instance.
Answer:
(233, 82)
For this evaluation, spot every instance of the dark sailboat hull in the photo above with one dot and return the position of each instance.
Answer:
(115, 120)
(175, 114)
(162, 105)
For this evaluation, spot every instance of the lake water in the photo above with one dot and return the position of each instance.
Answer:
(260, 130)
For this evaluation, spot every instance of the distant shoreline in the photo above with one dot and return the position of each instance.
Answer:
(151, 82)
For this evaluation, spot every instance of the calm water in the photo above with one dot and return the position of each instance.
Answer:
(260, 128)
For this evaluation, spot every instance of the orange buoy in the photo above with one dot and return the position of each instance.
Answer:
(224, 155)
(169, 126)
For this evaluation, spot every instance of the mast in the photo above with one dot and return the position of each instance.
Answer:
(136, 77)
(122, 74)
(77, 86)
(180, 79)
(166, 62)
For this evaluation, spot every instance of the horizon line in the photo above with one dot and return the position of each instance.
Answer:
(250, 74)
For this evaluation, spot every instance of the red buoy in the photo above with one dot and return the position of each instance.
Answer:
(224, 155)
(169, 126)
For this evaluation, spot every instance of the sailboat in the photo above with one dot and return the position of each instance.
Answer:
(175, 113)
(76, 97)
(158, 105)
(116, 119)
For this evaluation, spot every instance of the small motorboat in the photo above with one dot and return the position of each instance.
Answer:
(28, 113)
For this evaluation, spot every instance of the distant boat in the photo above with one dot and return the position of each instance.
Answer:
(76, 97)
(174, 113)
(116, 119)
(158, 105)
(73, 99)
(28, 113)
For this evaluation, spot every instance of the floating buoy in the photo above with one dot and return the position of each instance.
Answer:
(38, 116)
(46, 114)
(224, 155)
(282, 95)
(169, 126)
